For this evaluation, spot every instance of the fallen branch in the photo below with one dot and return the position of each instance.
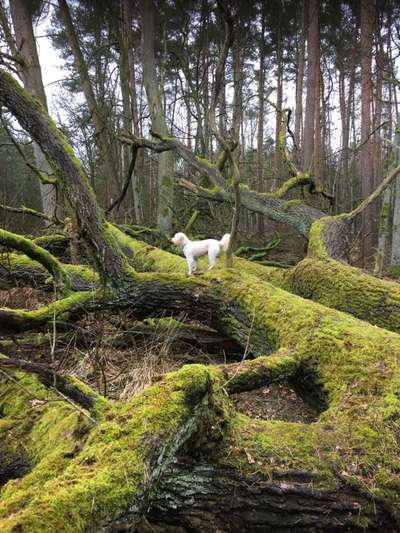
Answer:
(377, 192)
(51, 379)
(37, 253)
(28, 211)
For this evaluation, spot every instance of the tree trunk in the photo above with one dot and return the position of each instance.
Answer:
(108, 165)
(278, 120)
(261, 117)
(165, 160)
(368, 220)
(204, 84)
(377, 143)
(318, 132)
(312, 76)
(395, 253)
(129, 101)
(32, 78)
(300, 80)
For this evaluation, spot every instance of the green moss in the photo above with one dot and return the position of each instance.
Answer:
(270, 448)
(46, 240)
(205, 162)
(82, 273)
(211, 190)
(166, 181)
(260, 371)
(58, 308)
(289, 184)
(37, 253)
(290, 203)
(384, 214)
(395, 271)
(86, 474)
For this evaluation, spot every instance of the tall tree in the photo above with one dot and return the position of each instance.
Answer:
(367, 174)
(108, 163)
(261, 111)
(158, 122)
(312, 77)
(300, 79)
(129, 101)
(31, 74)
(279, 100)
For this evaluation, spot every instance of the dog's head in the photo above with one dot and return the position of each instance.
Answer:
(179, 239)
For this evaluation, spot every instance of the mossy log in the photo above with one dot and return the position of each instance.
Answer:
(351, 451)
(323, 276)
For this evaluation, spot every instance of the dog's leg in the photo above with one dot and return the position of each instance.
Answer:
(191, 263)
(212, 258)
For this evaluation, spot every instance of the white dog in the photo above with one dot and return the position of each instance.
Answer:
(195, 249)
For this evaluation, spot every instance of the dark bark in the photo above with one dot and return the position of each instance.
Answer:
(278, 119)
(202, 497)
(299, 82)
(13, 465)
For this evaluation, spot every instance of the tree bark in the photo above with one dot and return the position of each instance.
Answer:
(368, 220)
(278, 120)
(32, 78)
(261, 116)
(165, 160)
(299, 82)
(312, 76)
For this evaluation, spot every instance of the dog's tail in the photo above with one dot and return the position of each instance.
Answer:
(224, 242)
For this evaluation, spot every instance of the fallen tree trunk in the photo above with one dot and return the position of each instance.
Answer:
(180, 503)
(293, 213)
(349, 363)
(322, 276)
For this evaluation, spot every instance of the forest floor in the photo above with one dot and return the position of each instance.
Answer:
(120, 364)
(274, 402)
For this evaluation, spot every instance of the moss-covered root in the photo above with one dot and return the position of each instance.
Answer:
(86, 476)
(16, 320)
(249, 375)
(68, 388)
(37, 253)
(23, 271)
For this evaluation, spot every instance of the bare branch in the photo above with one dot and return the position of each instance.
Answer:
(28, 211)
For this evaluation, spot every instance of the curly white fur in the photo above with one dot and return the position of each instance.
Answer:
(195, 249)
